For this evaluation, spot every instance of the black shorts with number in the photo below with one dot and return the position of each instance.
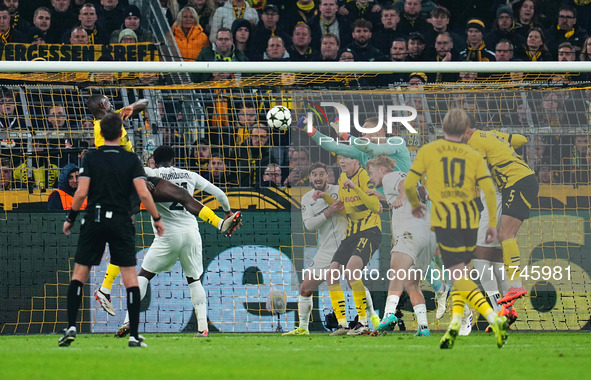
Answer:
(116, 229)
(456, 245)
(519, 198)
(362, 244)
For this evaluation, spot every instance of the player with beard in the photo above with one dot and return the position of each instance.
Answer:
(331, 225)
(368, 146)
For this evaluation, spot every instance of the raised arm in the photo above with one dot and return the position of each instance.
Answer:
(219, 195)
(134, 108)
(328, 143)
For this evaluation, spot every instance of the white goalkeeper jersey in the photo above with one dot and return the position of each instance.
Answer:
(173, 214)
(330, 231)
(402, 216)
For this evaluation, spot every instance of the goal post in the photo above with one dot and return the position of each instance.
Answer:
(49, 123)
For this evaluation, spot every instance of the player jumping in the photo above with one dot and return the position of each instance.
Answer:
(414, 244)
(182, 240)
(161, 190)
(519, 190)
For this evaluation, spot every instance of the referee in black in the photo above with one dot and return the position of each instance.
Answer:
(108, 177)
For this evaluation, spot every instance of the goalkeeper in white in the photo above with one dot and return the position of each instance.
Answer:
(182, 240)
(331, 225)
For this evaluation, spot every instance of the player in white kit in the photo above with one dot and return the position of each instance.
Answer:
(331, 225)
(182, 240)
(413, 248)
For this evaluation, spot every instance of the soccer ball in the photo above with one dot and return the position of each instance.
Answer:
(279, 117)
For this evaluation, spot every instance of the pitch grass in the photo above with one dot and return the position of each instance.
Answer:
(318, 356)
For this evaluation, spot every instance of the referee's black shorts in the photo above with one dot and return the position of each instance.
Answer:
(116, 229)
(519, 198)
(456, 245)
(362, 244)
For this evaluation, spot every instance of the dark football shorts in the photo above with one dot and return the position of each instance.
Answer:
(519, 198)
(456, 245)
(362, 244)
(116, 229)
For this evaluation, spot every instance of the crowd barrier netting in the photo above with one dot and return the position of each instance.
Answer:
(46, 126)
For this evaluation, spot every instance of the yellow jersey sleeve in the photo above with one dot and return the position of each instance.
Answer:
(99, 140)
(506, 166)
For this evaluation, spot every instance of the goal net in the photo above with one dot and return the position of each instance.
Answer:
(218, 129)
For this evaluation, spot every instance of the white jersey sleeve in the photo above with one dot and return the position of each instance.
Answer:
(174, 216)
(390, 184)
(331, 231)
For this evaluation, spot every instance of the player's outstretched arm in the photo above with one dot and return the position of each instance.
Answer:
(146, 198)
(221, 197)
(134, 108)
(328, 143)
(166, 191)
(389, 146)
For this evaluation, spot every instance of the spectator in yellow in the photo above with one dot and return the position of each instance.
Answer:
(189, 35)
(45, 174)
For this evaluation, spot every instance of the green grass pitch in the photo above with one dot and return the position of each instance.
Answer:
(318, 356)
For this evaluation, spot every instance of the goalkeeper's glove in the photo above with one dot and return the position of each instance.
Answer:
(335, 125)
(301, 125)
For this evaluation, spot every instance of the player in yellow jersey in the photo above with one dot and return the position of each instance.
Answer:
(362, 238)
(519, 190)
(453, 171)
(100, 105)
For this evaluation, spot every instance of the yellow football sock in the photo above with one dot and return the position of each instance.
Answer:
(511, 260)
(110, 276)
(360, 300)
(469, 292)
(458, 305)
(207, 215)
(337, 299)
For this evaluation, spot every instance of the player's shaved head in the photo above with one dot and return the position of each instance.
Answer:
(94, 104)
(111, 126)
(164, 155)
(455, 122)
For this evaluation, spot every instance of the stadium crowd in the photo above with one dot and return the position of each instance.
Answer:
(249, 154)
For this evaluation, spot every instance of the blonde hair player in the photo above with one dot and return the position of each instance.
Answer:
(454, 170)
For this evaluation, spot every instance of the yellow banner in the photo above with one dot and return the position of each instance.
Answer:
(77, 53)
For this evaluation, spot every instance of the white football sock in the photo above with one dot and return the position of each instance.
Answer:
(391, 304)
(369, 304)
(493, 297)
(304, 310)
(502, 277)
(421, 313)
(199, 300)
(143, 285)
(106, 291)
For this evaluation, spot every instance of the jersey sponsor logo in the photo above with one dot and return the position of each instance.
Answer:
(352, 199)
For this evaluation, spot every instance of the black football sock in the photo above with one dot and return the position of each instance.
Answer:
(74, 301)
(133, 308)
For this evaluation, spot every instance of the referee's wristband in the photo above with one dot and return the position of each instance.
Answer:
(157, 219)
(72, 215)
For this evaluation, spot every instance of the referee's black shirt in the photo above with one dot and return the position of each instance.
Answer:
(111, 170)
